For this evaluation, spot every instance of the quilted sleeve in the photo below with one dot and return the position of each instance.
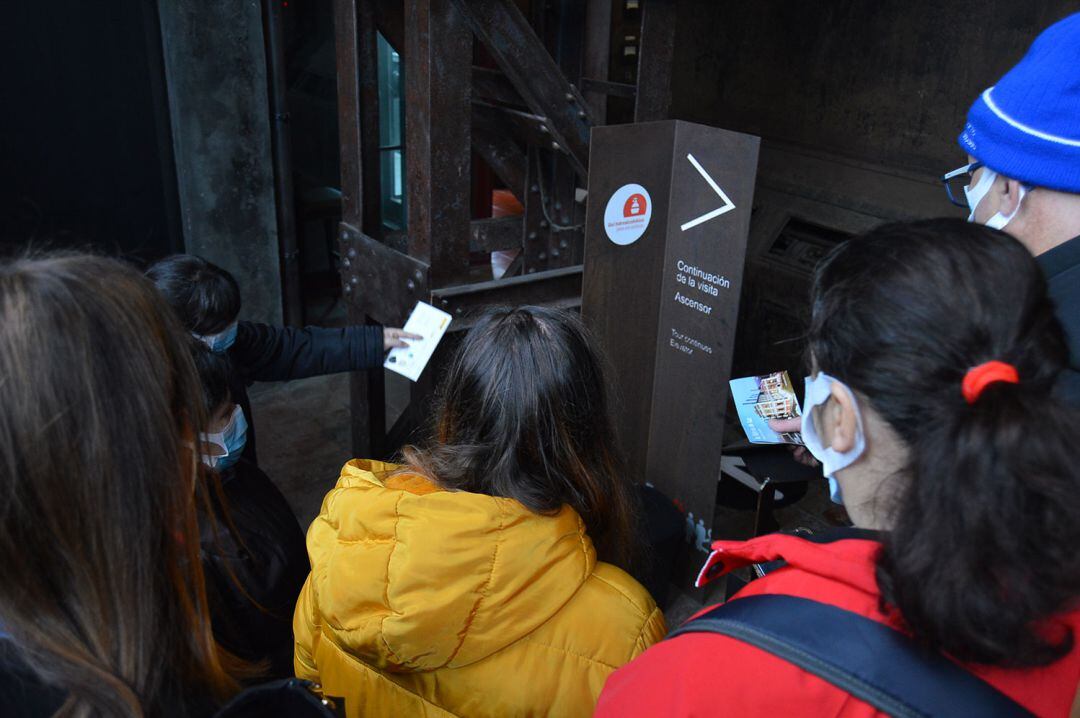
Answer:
(306, 633)
(652, 632)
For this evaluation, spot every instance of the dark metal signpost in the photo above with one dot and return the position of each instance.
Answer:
(668, 216)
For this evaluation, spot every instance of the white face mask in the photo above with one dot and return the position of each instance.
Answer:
(976, 194)
(231, 440)
(818, 391)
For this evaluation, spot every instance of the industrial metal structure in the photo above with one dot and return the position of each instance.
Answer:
(520, 84)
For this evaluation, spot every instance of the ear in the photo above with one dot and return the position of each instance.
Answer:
(1008, 196)
(843, 420)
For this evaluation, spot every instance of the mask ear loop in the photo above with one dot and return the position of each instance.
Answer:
(999, 220)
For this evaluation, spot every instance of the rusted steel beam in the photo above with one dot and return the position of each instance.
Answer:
(380, 282)
(533, 129)
(492, 235)
(346, 36)
(494, 87)
(537, 229)
(597, 55)
(438, 63)
(559, 288)
(603, 87)
(366, 396)
(504, 156)
(521, 55)
(655, 55)
(368, 58)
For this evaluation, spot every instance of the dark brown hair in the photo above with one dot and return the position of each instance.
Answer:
(983, 544)
(523, 414)
(101, 587)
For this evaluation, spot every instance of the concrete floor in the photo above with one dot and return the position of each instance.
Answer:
(304, 440)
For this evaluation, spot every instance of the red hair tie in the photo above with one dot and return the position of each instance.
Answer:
(982, 376)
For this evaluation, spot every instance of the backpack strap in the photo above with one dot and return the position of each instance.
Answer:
(869, 660)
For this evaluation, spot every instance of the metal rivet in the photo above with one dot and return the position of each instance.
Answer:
(446, 302)
(554, 253)
(569, 96)
(325, 702)
(534, 188)
(532, 235)
(542, 255)
(352, 253)
(543, 128)
(458, 311)
(345, 262)
(582, 114)
(348, 289)
(532, 270)
(411, 285)
(558, 205)
(564, 244)
(555, 146)
(418, 274)
(543, 223)
(354, 280)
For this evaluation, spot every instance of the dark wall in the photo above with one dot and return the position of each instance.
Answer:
(883, 82)
(215, 60)
(85, 155)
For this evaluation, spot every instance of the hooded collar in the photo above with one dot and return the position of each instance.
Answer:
(411, 577)
(846, 555)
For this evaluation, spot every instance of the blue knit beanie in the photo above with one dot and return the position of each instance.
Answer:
(1027, 126)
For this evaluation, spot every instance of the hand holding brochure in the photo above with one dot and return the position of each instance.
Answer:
(760, 398)
(431, 324)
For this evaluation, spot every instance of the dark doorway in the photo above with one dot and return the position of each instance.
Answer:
(85, 149)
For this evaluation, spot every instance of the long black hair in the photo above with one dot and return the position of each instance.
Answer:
(986, 522)
(523, 413)
(204, 296)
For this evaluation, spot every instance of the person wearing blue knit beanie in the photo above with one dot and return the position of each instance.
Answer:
(1022, 138)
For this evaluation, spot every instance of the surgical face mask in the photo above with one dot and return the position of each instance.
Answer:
(219, 342)
(976, 194)
(818, 391)
(231, 440)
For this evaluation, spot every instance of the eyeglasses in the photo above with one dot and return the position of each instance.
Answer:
(957, 180)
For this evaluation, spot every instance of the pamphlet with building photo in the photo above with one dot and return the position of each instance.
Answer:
(760, 398)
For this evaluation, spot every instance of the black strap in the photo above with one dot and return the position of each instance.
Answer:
(867, 659)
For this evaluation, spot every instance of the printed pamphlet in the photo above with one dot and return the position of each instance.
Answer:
(760, 398)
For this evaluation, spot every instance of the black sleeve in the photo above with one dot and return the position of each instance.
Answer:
(1068, 387)
(266, 353)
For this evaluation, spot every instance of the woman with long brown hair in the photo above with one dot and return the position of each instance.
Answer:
(467, 581)
(102, 600)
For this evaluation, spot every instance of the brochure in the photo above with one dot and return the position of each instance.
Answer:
(760, 398)
(431, 324)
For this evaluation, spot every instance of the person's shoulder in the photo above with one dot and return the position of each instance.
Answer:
(611, 584)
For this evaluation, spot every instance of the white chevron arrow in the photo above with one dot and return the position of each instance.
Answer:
(726, 207)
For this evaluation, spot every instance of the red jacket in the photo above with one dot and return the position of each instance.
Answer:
(702, 674)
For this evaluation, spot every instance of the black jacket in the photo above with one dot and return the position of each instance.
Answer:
(1061, 265)
(263, 550)
(265, 353)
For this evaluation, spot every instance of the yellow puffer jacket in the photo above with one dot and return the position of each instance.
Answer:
(425, 602)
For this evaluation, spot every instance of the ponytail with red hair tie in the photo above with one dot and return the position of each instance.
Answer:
(981, 376)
